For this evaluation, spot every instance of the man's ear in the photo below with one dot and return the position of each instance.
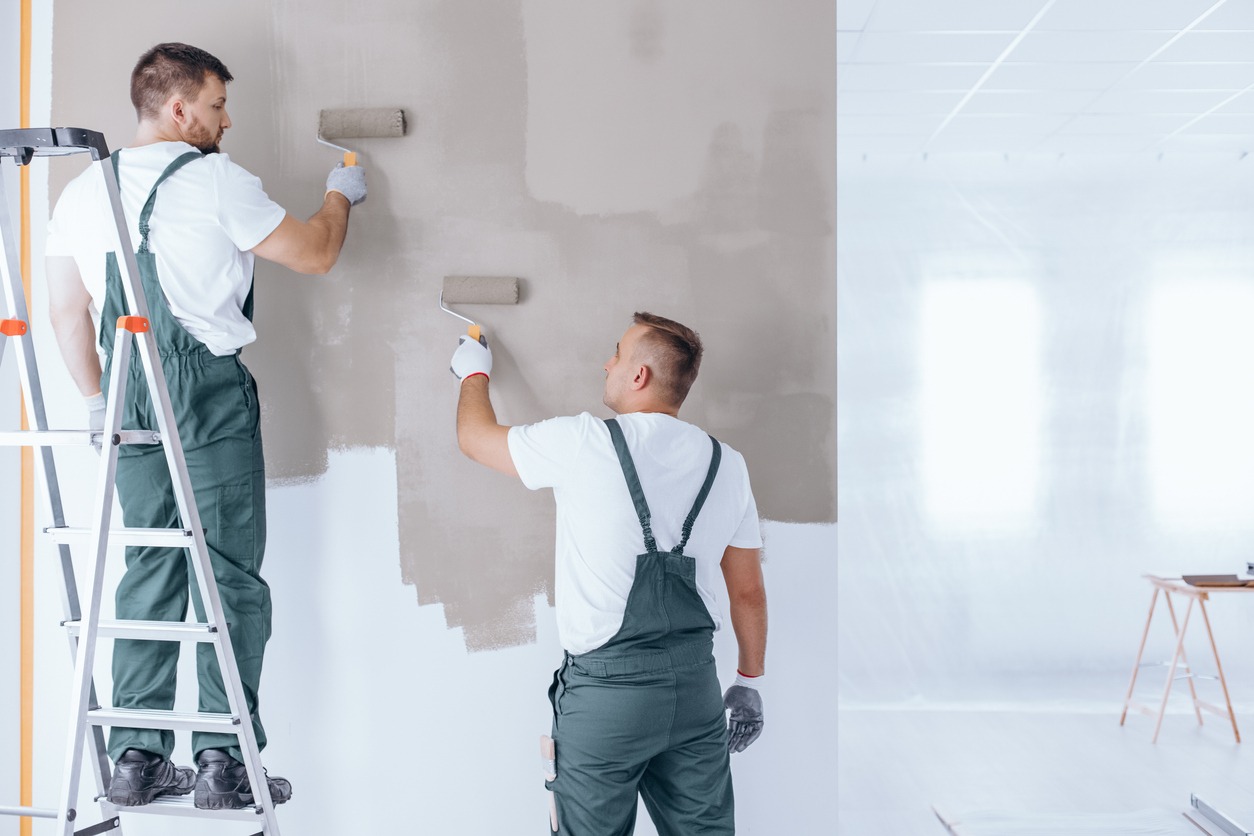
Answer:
(177, 109)
(643, 375)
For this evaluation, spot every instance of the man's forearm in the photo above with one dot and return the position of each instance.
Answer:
(479, 436)
(748, 614)
(332, 222)
(76, 337)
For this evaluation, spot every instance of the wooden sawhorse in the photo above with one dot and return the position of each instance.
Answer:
(1195, 595)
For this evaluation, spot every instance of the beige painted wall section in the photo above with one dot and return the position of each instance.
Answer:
(617, 156)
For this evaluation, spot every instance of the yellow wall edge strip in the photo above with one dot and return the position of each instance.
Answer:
(27, 549)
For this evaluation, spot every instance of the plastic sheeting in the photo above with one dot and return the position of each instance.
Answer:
(1046, 389)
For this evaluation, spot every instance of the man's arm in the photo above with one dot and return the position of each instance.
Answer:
(746, 593)
(313, 246)
(479, 436)
(69, 307)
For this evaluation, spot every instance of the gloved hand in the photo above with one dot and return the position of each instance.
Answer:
(745, 723)
(471, 357)
(349, 181)
(95, 414)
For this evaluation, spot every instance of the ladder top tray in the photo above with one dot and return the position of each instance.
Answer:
(25, 143)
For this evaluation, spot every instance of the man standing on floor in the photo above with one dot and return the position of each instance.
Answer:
(199, 220)
(636, 703)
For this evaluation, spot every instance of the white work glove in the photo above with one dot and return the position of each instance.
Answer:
(471, 357)
(349, 181)
(95, 414)
(744, 723)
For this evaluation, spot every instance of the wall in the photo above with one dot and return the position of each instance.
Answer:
(1043, 389)
(635, 155)
(623, 156)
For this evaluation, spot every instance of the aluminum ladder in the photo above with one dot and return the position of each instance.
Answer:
(86, 716)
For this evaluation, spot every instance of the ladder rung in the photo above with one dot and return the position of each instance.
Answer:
(184, 806)
(73, 438)
(32, 812)
(174, 720)
(172, 537)
(151, 630)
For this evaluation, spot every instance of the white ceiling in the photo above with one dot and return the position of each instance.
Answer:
(1054, 76)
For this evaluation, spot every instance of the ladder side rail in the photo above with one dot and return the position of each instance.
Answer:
(202, 566)
(159, 393)
(90, 627)
(37, 419)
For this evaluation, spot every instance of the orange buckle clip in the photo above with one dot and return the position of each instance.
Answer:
(134, 324)
(12, 327)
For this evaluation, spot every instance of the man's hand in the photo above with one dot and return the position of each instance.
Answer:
(95, 415)
(471, 357)
(349, 181)
(745, 722)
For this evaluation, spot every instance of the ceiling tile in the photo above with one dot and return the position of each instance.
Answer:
(878, 144)
(1235, 14)
(1212, 46)
(908, 76)
(1189, 102)
(1223, 123)
(846, 46)
(1089, 46)
(852, 15)
(913, 124)
(968, 124)
(1029, 101)
(909, 47)
(1042, 75)
(1211, 143)
(1176, 75)
(1123, 124)
(983, 143)
(968, 15)
(1097, 143)
(1122, 15)
(879, 102)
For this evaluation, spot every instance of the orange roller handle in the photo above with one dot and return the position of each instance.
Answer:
(134, 324)
(12, 327)
(350, 158)
(475, 332)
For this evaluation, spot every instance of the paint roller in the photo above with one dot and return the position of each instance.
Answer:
(477, 290)
(359, 122)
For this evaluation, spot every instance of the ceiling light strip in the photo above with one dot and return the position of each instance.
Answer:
(991, 69)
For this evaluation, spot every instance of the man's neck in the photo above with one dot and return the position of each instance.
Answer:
(150, 133)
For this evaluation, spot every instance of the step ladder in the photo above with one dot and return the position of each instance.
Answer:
(87, 717)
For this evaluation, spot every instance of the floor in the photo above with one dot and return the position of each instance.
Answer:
(895, 764)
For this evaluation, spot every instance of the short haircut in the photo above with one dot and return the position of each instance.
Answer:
(676, 352)
(171, 69)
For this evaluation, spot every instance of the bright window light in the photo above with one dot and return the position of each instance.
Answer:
(1200, 394)
(981, 399)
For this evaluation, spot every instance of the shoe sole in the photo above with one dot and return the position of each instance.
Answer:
(142, 797)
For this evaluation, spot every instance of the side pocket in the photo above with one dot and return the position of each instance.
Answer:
(235, 524)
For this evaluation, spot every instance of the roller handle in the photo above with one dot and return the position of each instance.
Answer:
(350, 158)
(476, 333)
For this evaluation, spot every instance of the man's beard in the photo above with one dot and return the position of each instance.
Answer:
(201, 139)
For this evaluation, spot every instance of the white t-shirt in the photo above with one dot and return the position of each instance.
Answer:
(208, 215)
(598, 532)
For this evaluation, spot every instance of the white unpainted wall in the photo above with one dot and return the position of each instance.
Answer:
(375, 710)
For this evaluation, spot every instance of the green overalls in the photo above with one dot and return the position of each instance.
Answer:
(219, 422)
(643, 712)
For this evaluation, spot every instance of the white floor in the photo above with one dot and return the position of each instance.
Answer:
(896, 764)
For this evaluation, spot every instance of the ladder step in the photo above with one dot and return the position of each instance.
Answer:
(31, 812)
(176, 538)
(166, 631)
(175, 720)
(73, 438)
(184, 806)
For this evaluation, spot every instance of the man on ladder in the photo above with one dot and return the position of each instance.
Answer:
(199, 219)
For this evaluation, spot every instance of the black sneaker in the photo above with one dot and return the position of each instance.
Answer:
(222, 783)
(139, 777)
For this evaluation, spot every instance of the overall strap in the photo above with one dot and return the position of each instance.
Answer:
(144, 216)
(633, 482)
(637, 492)
(715, 458)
